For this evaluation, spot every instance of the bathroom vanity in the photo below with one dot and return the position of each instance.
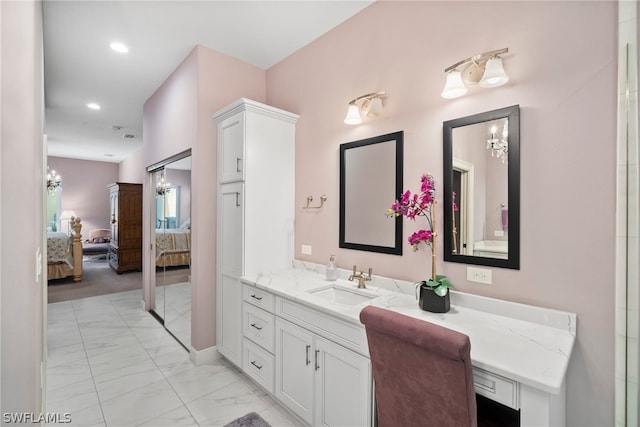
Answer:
(303, 342)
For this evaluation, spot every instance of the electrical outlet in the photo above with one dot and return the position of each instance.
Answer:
(479, 275)
(306, 249)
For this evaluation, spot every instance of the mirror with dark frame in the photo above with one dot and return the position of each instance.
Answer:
(481, 166)
(370, 180)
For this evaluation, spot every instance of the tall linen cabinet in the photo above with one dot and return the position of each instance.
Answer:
(256, 174)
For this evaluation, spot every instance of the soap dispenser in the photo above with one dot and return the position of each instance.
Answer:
(332, 270)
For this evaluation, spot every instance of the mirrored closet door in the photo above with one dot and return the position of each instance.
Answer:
(171, 215)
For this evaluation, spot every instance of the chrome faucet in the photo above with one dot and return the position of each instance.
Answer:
(362, 277)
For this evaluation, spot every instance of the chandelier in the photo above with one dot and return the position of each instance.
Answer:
(53, 181)
(499, 143)
(162, 187)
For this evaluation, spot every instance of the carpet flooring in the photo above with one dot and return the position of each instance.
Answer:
(99, 279)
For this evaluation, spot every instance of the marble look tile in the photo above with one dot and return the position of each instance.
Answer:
(88, 417)
(201, 380)
(98, 345)
(127, 378)
(277, 416)
(227, 404)
(60, 355)
(140, 319)
(73, 398)
(177, 418)
(68, 373)
(117, 360)
(173, 362)
(60, 311)
(140, 405)
(63, 334)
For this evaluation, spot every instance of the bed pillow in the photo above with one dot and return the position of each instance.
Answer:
(186, 225)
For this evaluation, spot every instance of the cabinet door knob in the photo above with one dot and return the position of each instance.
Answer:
(256, 297)
(238, 164)
(256, 365)
(307, 350)
(237, 199)
(256, 326)
(317, 365)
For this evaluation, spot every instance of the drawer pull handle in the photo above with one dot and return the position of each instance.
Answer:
(317, 366)
(256, 365)
(307, 350)
(256, 326)
(238, 163)
(256, 297)
(237, 199)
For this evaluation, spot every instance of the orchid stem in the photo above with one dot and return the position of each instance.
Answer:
(433, 241)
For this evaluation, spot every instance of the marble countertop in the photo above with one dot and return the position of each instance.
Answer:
(531, 345)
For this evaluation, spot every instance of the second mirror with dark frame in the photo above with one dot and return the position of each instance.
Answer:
(481, 167)
(370, 181)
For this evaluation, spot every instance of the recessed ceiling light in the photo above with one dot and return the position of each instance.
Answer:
(93, 106)
(119, 47)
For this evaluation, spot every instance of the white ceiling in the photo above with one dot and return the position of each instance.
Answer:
(80, 67)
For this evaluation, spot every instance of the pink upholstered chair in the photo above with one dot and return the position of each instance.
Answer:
(422, 371)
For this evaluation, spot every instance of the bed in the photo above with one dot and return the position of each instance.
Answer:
(173, 247)
(64, 253)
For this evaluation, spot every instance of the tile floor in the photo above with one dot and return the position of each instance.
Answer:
(111, 364)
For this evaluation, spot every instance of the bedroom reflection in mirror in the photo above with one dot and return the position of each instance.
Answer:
(171, 217)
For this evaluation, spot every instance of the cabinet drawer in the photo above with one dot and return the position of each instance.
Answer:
(259, 298)
(346, 334)
(258, 326)
(496, 388)
(258, 364)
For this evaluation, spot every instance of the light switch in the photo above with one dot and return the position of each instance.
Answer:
(306, 249)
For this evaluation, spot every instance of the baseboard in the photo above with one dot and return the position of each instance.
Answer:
(205, 356)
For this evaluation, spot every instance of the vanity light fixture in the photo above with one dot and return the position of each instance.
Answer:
(369, 105)
(484, 69)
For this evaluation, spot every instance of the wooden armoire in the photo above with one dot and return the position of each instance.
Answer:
(125, 249)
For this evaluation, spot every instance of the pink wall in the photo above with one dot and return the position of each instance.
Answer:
(178, 117)
(22, 175)
(562, 63)
(132, 169)
(84, 189)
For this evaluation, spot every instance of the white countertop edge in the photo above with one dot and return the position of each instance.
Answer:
(553, 341)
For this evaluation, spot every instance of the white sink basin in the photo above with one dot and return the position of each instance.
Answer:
(342, 296)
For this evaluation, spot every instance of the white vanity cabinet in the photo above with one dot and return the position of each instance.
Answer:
(256, 175)
(321, 381)
(258, 335)
(229, 269)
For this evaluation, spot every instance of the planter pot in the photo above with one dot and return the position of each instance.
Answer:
(430, 301)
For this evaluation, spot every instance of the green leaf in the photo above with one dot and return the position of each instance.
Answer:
(441, 291)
